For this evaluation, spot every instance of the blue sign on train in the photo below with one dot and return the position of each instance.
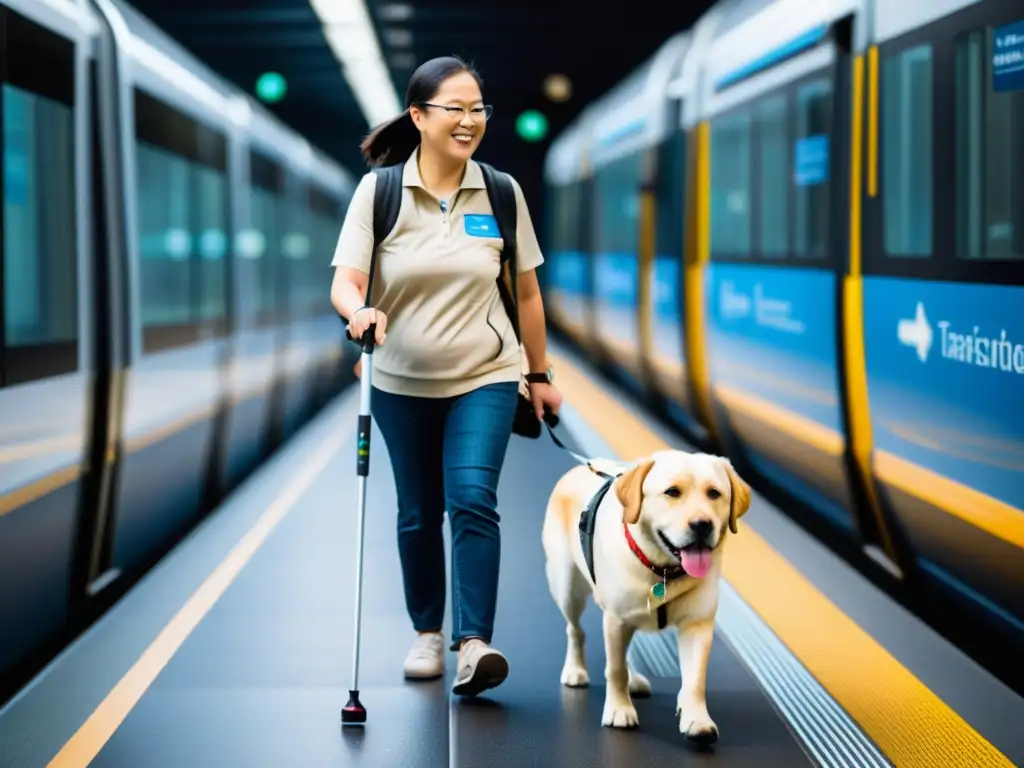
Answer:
(1008, 57)
(810, 160)
(958, 351)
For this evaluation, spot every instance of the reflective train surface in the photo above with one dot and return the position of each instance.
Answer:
(166, 319)
(798, 231)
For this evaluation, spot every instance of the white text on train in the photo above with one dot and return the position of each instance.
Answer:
(768, 312)
(974, 348)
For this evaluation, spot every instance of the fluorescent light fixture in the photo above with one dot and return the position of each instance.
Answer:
(395, 12)
(349, 32)
(398, 38)
(403, 60)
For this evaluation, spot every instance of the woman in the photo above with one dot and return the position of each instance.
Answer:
(447, 368)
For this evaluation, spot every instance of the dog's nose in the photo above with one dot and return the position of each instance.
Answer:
(701, 528)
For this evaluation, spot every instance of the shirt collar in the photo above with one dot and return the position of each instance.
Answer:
(473, 178)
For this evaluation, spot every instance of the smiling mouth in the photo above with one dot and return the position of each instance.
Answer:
(695, 558)
(672, 548)
(463, 138)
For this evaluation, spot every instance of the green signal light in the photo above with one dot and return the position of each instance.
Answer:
(531, 125)
(271, 87)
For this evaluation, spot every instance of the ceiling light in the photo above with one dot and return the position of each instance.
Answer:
(404, 60)
(395, 12)
(558, 87)
(398, 38)
(339, 12)
(351, 36)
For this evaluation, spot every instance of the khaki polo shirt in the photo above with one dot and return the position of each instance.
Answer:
(448, 332)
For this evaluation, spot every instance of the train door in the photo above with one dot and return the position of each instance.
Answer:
(876, 531)
(92, 569)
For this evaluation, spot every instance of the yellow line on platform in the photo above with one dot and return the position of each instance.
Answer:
(83, 747)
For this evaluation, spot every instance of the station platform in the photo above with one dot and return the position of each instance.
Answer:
(236, 649)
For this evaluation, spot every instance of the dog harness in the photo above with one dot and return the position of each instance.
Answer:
(588, 522)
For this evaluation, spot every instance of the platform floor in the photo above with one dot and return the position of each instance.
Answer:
(236, 650)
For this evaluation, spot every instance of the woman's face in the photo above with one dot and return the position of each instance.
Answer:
(454, 123)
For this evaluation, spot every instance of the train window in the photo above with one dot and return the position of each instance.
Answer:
(566, 264)
(811, 168)
(266, 199)
(268, 215)
(730, 184)
(989, 156)
(671, 196)
(164, 238)
(618, 202)
(773, 185)
(295, 247)
(211, 223)
(570, 224)
(182, 205)
(39, 220)
(907, 152)
(39, 275)
(324, 228)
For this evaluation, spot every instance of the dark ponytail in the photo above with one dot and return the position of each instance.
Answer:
(391, 142)
(396, 139)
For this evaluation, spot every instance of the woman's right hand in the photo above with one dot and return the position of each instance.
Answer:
(363, 318)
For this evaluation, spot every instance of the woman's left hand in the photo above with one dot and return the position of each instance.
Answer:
(545, 394)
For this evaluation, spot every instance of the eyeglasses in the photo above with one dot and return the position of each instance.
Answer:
(454, 112)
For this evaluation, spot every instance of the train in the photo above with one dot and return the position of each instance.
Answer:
(797, 232)
(187, 330)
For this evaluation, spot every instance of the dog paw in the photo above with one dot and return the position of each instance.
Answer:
(701, 730)
(575, 677)
(619, 715)
(639, 686)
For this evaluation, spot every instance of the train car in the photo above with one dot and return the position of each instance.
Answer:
(627, 139)
(165, 303)
(619, 219)
(854, 253)
(942, 240)
(567, 283)
(776, 99)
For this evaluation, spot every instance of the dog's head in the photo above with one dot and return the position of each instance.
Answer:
(683, 501)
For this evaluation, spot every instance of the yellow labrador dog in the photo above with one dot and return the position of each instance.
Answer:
(646, 540)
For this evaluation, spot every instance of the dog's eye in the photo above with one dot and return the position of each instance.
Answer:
(714, 493)
(673, 492)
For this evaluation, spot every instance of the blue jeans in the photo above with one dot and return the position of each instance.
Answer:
(447, 453)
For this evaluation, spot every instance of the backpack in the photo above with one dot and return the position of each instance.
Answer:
(387, 200)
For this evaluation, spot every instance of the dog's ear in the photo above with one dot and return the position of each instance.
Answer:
(740, 495)
(629, 489)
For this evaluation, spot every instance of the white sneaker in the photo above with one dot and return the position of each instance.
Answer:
(426, 657)
(479, 667)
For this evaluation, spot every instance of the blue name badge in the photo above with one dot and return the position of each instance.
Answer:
(1008, 57)
(481, 225)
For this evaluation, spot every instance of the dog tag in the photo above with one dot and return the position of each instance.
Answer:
(658, 593)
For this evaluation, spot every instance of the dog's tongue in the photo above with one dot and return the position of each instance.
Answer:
(696, 562)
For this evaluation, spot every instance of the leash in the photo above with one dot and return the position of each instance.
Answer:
(582, 460)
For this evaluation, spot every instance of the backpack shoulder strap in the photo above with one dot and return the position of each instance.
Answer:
(502, 196)
(387, 201)
(503, 203)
